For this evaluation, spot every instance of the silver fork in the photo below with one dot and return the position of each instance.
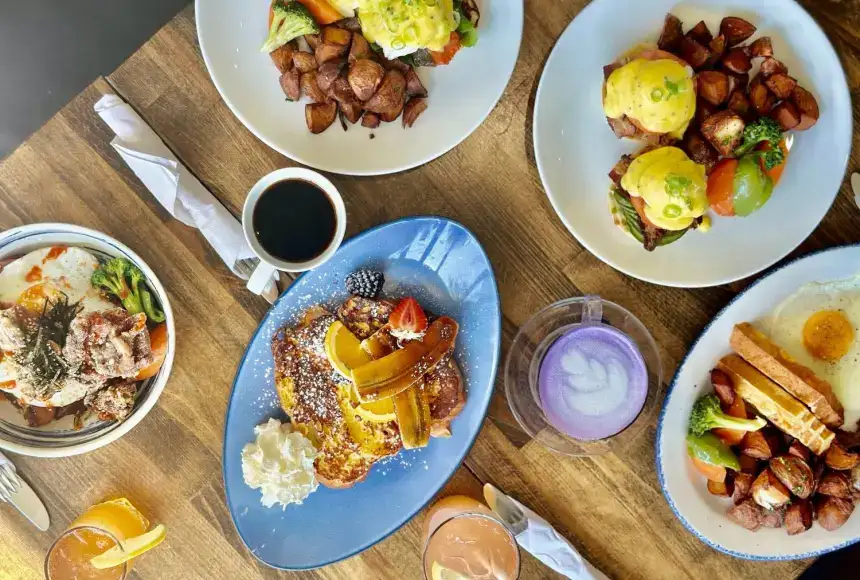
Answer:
(9, 481)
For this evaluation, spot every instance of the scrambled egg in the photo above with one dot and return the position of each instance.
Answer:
(401, 27)
(673, 187)
(659, 95)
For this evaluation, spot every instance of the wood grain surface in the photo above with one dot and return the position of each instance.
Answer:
(612, 507)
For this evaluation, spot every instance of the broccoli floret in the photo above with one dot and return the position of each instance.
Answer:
(114, 276)
(764, 130)
(707, 415)
(138, 288)
(291, 20)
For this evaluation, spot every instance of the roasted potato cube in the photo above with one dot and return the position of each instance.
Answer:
(832, 512)
(360, 48)
(336, 35)
(393, 113)
(311, 89)
(737, 61)
(721, 488)
(701, 34)
(742, 484)
(768, 491)
(808, 107)
(352, 24)
(723, 386)
(761, 47)
(326, 52)
(713, 86)
(704, 109)
(717, 46)
(787, 115)
(749, 464)
(702, 153)
(670, 37)
(794, 473)
(304, 61)
(736, 30)
(413, 109)
(724, 130)
(351, 111)
(798, 517)
(761, 98)
(836, 484)
(291, 84)
(840, 458)
(364, 77)
(694, 53)
(370, 120)
(283, 56)
(739, 103)
(747, 514)
(774, 518)
(414, 86)
(771, 66)
(390, 96)
(328, 73)
(320, 116)
(756, 445)
(798, 449)
(781, 85)
(737, 82)
(313, 40)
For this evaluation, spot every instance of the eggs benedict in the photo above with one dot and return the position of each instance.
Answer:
(659, 195)
(649, 95)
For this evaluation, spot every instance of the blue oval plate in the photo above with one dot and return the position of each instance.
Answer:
(443, 265)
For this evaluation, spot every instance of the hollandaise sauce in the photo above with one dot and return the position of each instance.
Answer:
(402, 26)
(659, 95)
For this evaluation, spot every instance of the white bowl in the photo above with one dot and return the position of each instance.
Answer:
(685, 489)
(575, 149)
(59, 438)
(462, 94)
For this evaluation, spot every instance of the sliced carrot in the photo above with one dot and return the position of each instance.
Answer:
(446, 55)
(158, 344)
(323, 12)
(721, 187)
(732, 436)
(775, 173)
(715, 473)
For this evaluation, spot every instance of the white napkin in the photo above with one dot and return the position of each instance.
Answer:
(6, 461)
(172, 184)
(553, 549)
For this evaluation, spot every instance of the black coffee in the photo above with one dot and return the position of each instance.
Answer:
(294, 220)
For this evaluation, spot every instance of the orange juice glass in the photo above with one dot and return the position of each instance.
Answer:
(464, 536)
(99, 529)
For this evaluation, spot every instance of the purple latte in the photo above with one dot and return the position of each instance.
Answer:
(592, 382)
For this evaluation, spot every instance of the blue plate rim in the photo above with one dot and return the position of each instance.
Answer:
(658, 454)
(495, 369)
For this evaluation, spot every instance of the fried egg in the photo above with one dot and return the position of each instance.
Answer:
(43, 274)
(819, 326)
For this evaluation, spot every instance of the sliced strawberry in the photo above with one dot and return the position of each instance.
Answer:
(408, 317)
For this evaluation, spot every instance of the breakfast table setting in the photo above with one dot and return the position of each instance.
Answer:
(481, 231)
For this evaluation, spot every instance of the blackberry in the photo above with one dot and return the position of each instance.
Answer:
(365, 283)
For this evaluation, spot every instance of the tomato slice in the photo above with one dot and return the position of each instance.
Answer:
(712, 472)
(775, 173)
(446, 55)
(721, 187)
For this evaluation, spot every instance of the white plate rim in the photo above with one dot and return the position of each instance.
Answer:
(556, 203)
(334, 168)
(660, 442)
(164, 374)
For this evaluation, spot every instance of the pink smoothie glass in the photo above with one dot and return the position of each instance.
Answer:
(583, 376)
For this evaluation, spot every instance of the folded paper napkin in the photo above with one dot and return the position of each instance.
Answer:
(553, 549)
(6, 461)
(172, 184)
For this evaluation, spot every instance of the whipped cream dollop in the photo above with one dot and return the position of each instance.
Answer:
(280, 463)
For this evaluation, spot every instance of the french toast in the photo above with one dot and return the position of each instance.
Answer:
(800, 381)
(320, 402)
(778, 405)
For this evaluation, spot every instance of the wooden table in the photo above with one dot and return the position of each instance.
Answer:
(170, 465)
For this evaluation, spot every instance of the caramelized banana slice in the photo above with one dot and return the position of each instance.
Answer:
(393, 374)
(412, 408)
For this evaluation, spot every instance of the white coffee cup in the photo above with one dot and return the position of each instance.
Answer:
(269, 264)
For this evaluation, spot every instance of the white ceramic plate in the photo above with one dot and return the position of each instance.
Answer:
(685, 490)
(575, 149)
(462, 94)
(59, 438)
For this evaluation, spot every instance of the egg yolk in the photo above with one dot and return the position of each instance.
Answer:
(828, 335)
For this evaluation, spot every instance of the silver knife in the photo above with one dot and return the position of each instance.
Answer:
(855, 187)
(536, 536)
(15, 490)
